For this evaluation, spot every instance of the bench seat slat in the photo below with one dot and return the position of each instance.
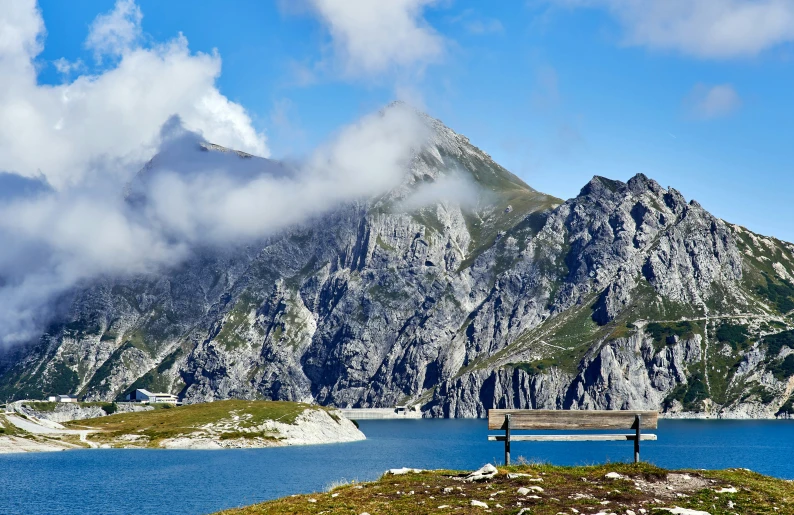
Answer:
(570, 438)
(571, 419)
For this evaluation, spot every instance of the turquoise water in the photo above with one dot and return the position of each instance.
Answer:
(195, 482)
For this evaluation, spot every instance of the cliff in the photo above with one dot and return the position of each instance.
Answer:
(626, 296)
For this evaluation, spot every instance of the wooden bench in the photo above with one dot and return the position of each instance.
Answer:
(513, 419)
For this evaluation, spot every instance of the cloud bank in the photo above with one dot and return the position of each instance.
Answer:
(63, 131)
(191, 195)
(74, 206)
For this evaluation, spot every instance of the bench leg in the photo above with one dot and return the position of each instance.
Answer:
(507, 439)
(637, 421)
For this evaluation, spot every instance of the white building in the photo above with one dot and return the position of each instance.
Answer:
(62, 398)
(141, 395)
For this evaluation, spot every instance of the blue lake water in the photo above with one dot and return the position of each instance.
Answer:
(196, 482)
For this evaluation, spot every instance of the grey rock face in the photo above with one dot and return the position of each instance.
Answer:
(621, 297)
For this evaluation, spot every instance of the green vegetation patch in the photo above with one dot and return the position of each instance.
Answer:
(734, 335)
(761, 393)
(779, 292)
(689, 394)
(787, 408)
(663, 334)
(156, 379)
(535, 367)
(782, 369)
(62, 380)
(231, 335)
(564, 490)
(776, 342)
(160, 424)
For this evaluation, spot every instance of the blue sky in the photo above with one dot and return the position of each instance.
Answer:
(556, 91)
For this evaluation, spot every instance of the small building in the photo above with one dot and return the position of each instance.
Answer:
(62, 398)
(141, 395)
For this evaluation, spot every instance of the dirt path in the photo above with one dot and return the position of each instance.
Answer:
(40, 429)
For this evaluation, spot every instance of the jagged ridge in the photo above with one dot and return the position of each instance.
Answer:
(626, 296)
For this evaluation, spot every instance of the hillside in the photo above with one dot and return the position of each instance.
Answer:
(550, 490)
(626, 296)
(222, 424)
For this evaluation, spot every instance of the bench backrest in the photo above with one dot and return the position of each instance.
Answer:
(571, 419)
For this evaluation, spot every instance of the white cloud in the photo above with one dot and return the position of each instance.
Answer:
(454, 188)
(185, 198)
(703, 28)
(228, 201)
(63, 131)
(66, 67)
(376, 37)
(707, 102)
(116, 32)
(72, 149)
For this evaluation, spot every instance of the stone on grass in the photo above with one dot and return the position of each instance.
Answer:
(479, 504)
(404, 470)
(683, 511)
(485, 472)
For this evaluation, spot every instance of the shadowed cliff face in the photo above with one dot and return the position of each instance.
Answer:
(461, 289)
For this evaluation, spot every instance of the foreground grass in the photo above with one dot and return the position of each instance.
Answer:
(642, 489)
(230, 419)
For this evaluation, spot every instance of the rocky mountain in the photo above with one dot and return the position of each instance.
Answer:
(626, 296)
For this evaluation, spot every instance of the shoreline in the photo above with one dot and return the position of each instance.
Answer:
(210, 426)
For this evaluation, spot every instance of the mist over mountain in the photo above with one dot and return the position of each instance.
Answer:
(397, 264)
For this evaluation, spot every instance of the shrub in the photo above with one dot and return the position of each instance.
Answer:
(787, 408)
(110, 408)
(690, 395)
(775, 342)
(780, 293)
(783, 369)
(735, 335)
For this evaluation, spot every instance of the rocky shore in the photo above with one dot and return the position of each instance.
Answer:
(219, 425)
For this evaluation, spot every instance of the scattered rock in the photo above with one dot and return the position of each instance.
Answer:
(523, 491)
(614, 475)
(683, 511)
(479, 504)
(729, 490)
(404, 470)
(485, 472)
